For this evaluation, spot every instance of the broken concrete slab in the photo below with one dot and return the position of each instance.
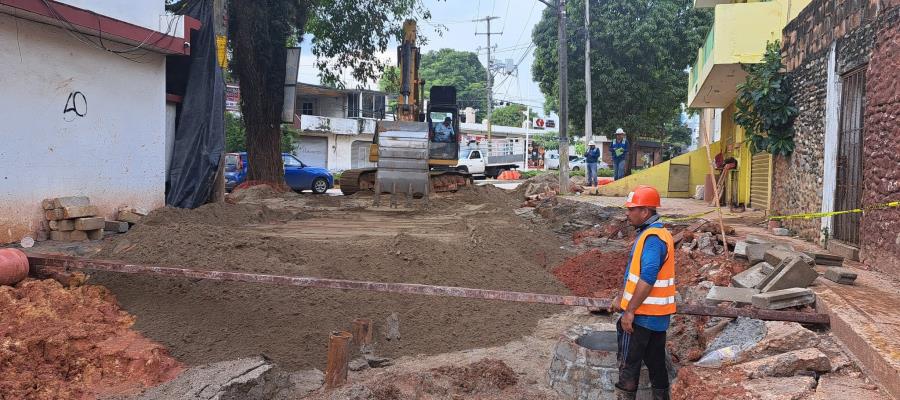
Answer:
(720, 294)
(756, 252)
(782, 337)
(825, 259)
(785, 298)
(794, 387)
(740, 249)
(844, 250)
(89, 223)
(793, 273)
(781, 232)
(788, 364)
(844, 276)
(116, 226)
(777, 255)
(743, 333)
(128, 216)
(752, 276)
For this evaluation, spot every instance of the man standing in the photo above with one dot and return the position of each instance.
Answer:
(619, 150)
(590, 158)
(648, 299)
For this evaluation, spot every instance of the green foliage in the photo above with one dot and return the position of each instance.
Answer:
(236, 137)
(534, 172)
(678, 133)
(639, 53)
(580, 148)
(461, 69)
(764, 106)
(510, 115)
(606, 172)
(547, 140)
(390, 80)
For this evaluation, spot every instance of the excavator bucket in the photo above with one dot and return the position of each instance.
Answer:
(402, 160)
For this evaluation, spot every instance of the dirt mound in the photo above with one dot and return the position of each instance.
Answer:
(544, 183)
(255, 193)
(217, 214)
(593, 273)
(487, 379)
(58, 343)
(568, 216)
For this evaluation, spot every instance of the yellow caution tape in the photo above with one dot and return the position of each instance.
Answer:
(833, 213)
(687, 218)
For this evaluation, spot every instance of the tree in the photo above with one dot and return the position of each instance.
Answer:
(510, 115)
(348, 34)
(764, 106)
(461, 69)
(236, 135)
(639, 53)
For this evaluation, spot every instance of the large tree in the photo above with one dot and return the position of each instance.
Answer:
(639, 54)
(510, 115)
(347, 35)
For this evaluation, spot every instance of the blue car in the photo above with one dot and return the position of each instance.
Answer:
(297, 175)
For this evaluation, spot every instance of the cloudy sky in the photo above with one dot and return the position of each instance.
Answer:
(516, 20)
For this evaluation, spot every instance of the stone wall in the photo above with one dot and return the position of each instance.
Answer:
(797, 183)
(880, 230)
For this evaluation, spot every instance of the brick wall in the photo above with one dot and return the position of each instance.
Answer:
(880, 230)
(807, 40)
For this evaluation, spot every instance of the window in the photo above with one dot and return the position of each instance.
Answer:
(291, 161)
(368, 105)
(306, 108)
(353, 105)
(475, 155)
(373, 105)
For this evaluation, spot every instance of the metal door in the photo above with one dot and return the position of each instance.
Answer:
(848, 194)
(760, 180)
(312, 150)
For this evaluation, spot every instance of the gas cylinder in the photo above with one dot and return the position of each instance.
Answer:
(13, 266)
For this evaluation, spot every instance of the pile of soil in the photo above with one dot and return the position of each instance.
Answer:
(487, 379)
(59, 343)
(544, 183)
(694, 383)
(204, 321)
(593, 273)
(566, 216)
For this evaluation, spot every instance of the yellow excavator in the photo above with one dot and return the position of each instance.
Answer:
(411, 157)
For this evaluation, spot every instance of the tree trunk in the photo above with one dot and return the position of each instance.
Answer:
(258, 32)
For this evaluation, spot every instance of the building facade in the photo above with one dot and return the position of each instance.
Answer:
(79, 118)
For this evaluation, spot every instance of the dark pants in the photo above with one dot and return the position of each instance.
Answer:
(642, 346)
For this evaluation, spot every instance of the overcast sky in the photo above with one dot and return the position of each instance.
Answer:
(516, 20)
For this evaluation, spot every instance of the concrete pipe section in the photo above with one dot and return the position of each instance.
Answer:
(13, 266)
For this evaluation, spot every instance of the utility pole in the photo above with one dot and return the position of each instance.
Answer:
(588, 110)
(490, 78)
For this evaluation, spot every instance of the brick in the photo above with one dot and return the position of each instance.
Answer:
(840, 275)
(751, 277)
(719, 294)
(129, 217)
(794, 273)
(62, 225)
(80, 211)
(72, 201)
(756, 252)
(787, 364)
(89, 223)
(69, 236)
(779, 299)
(96, 234)
(116, 226)
(54, 214)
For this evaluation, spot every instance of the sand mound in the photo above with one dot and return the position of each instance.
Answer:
(58, 343)
(217, 214)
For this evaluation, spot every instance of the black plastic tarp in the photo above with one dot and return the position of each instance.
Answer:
(200, 131)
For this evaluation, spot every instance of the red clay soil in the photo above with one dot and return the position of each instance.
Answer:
(59, 343)
(695, 383)
(593, 273)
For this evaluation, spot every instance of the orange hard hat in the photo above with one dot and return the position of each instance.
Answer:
(643, 196)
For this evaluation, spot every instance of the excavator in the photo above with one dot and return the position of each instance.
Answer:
(410, 158)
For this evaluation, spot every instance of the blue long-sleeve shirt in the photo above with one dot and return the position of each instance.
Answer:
(592, 155)
(652, 259)
(615, 146)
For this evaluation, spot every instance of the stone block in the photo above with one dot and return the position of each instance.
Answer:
(844, 250)
(740, 249)
(72, 201)
(89, 223)
(129, 217)
(96, 234)
(793, 273)
(782, 337)
(751, 277)
(41, 235)
(756, 252)
(756, 239)
(781, 232)
(116, 226)
(55, 214)
(719, 294)
(788, 364)
(845, 276)
(80, 211)
(62, 225)
(69, 236)
(776, 255)
(826, 259)
(47, 204)
(785, 298)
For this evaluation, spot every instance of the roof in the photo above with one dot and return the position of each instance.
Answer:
(649, 143)
(325, 91)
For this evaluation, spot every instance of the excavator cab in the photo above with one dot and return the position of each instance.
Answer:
(443, 126)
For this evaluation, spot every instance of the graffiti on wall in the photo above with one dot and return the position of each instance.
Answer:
(76, 106)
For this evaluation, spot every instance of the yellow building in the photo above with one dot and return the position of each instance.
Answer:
(740, 32)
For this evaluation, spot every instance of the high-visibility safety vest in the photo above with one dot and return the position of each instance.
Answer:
(661, 300)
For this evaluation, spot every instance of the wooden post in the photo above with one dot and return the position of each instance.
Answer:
(362, 334)
(338, 359)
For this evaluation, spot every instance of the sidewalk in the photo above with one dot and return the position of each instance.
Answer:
(865, 316)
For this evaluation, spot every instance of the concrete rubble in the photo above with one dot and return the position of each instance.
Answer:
(788, 364)
(752, 276)
(721, 294)
(785, 298)
(840, 275)
(791, 273)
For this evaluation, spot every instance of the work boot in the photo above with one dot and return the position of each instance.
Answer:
(622, 394)
(661, 394)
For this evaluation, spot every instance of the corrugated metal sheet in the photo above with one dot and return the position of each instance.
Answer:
(760, 181)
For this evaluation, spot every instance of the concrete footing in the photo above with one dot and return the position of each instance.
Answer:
(785, 298)
(844, 276)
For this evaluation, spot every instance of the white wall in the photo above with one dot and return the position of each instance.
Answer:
(832, 121)
(145, 13)
(115, 153)
(341, 152)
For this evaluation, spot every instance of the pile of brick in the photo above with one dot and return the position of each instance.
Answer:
(72, 219)
(779, 276)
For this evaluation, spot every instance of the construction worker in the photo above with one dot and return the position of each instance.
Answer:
(648, 299)
(619, 150)
(591, 156)
(443, 132)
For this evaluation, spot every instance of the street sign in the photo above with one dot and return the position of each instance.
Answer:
(539, 122)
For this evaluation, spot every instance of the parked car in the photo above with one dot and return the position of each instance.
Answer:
(576, 163)
(297, 175)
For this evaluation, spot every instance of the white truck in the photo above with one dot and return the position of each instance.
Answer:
(490, 161)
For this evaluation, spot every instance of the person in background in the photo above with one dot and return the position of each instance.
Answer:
(591, 156)
(619, 150)
(443, 132)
